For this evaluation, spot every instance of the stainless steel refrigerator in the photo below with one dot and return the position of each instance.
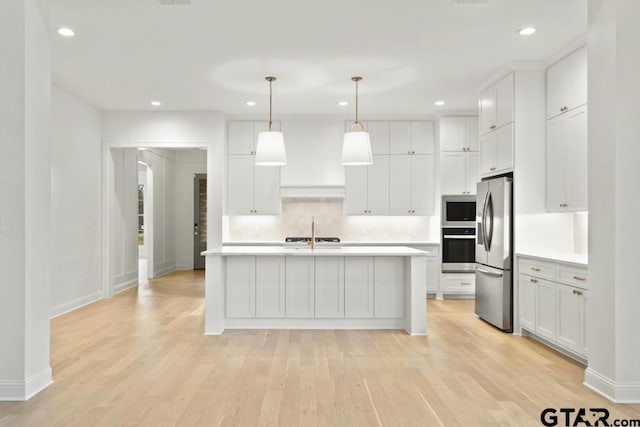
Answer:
(494, 252)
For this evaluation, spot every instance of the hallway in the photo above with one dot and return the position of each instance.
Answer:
(141, 358)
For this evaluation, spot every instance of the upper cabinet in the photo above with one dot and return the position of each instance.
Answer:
(411, 184)
(459, 134)
(496, 105)
(411, 137)
(567, 83)
(459, 160)
(367, 188)
(244, 135)
(567, 113)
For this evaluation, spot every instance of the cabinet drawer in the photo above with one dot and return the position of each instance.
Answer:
(573, 276)
(539, 269)
(458, 283)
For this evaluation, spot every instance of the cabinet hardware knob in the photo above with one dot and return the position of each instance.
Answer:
(535, 269)
(492, 168)
(577, 292)
(533, 281)
(582, 279)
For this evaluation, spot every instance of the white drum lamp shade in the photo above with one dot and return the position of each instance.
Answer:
(356, 149)
(270, 149)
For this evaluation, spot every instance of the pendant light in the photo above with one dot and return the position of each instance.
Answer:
(356, 146)
(270, 147)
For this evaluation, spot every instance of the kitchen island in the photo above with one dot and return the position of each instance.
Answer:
(276, 287)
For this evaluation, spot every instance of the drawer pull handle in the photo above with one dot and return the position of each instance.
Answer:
(582, 279)
(535, 269)
(576, 292)
(533, 281)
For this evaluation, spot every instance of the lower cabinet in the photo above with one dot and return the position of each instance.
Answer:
(358, 290)
(241, 287)
(458, 283)
(270, 288)
(300, 287)
(389, 287)
(329, 287)
(551, 306)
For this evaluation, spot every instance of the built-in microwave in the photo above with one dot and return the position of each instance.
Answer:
(459, 211)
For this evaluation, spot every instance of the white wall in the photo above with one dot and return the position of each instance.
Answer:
(123, 219)
(188, 163)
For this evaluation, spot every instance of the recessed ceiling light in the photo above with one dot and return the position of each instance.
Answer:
(251, 103)
(343, 103)
(156, 103)
(66, 32)
(439, 103)
(527, 31)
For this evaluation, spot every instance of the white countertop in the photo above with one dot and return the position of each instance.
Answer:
(344, 243)
(581, 260)
(289, 251)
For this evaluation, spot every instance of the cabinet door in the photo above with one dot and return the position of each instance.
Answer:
(400, 185)
(389, 287)
(453, 173)
(570, 314)
(270, 288)
(472, 135)
(358, 289)
(453, 134)
(487, 110)
(488, 148)
(240, 185)
(556, 153)
(422, 185)
(433, 275)
(267, 190)
(378, 186)
(576, 159)
(473, 172)
(527, 306)
(241, 289)
(399, 137)
(546, 309)
(379, 136)
(567, 83)
(299, 286)
(329, 287)
(422, 137)
(355, 201)
(504, 101)
(504, 148)
(241, 139)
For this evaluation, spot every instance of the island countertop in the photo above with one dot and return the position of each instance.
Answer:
(318, 251)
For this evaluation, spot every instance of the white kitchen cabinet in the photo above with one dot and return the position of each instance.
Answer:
(252, 189)
(358, 291)
(367, 188)
(567, 83)
(243, 136)
(497, 105)
(329, 287)
(433, 274)
(527, 304)
(411, 137)
(379, 137)
(460, 172)
(567, 175)
(300, 287)
(459, 134)
(458, 283)
(241, 287)
(270, 287)
(389, 287)
(411, 185)
(546, 309)
(571, 306)
(496, 152)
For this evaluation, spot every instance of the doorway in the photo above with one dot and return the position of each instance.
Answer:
(145, 215)
(199, 219)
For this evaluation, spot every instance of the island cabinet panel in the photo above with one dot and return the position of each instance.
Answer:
(329, 289)
(270, 287)
(300, 284)
(389, 287)
(241, 289)
(358, 290)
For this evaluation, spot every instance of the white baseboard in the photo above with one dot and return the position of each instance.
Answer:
(21, 390)
(164, 268)
(75, 304)
(612, 390)
(120, 287)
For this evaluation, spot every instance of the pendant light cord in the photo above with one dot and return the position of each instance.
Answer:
(356, 123)
(270, 102)
(356, 102)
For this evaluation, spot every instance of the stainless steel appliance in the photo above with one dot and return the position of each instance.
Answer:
(494, 284)
(458, 211)
(458, 249)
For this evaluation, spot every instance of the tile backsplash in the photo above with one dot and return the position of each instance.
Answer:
(295, 220)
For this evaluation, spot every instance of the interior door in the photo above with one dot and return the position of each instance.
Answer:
(199, 219)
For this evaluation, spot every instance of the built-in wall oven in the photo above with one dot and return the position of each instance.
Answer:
(458, 234)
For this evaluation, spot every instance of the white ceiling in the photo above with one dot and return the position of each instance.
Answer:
(214, 55)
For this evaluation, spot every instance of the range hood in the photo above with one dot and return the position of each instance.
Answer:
(312, 192)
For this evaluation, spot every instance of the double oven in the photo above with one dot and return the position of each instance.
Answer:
(459, 234)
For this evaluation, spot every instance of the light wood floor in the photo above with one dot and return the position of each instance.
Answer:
(141, 358)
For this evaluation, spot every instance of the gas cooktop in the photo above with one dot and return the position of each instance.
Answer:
(308, 239)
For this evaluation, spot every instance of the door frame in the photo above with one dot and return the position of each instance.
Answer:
(196, 210)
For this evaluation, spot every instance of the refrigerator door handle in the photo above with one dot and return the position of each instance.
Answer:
(489, 231)
(484, 222)
(490, 273)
